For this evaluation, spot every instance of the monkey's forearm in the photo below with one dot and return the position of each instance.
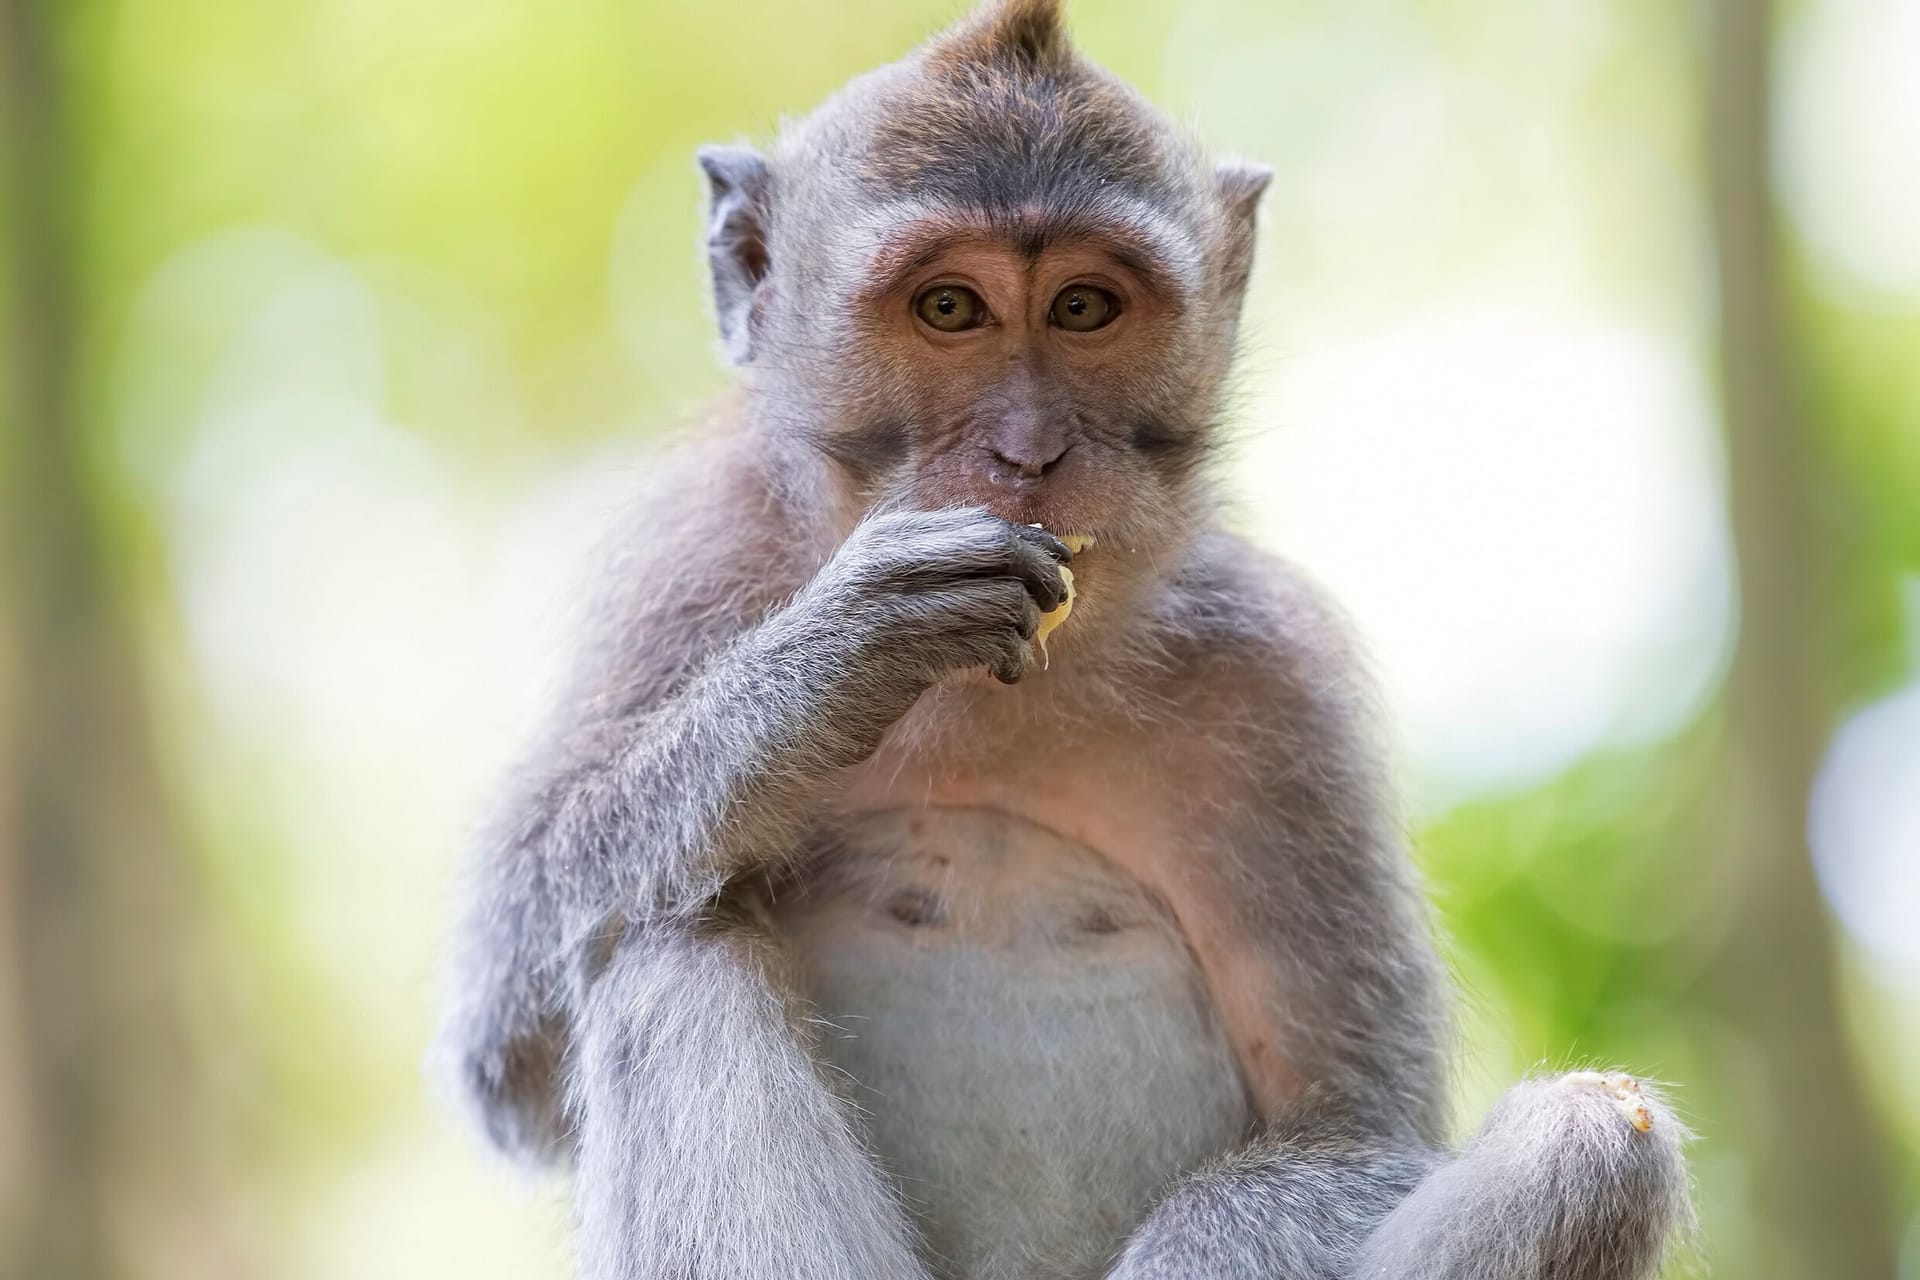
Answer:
(650, 816)
(650, 813)
(721, 779)
(718, 782)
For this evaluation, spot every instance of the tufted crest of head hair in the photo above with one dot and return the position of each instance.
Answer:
(1006, 33)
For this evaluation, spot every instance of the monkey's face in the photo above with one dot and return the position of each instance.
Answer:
(1055, 365)
(1048, 371)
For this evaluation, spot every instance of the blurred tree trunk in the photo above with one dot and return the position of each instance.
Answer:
(89, 879)
(1819, 1168)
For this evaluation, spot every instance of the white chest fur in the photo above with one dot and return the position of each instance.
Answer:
(1024, 1026)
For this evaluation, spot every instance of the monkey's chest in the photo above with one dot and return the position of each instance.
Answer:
(1024, 1027)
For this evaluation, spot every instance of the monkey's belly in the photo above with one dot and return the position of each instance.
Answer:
(1025, 1028)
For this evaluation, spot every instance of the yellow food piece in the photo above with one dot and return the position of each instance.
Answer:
(1050, 621)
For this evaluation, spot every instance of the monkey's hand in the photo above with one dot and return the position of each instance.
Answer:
(913, 596)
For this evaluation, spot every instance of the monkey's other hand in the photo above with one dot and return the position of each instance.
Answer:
(916, 595)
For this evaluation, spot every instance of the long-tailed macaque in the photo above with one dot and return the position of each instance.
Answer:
(837, 930)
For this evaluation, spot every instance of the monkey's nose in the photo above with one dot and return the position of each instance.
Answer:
(1025, 465)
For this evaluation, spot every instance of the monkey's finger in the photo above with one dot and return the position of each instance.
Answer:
(969, 525)
(1037, 567)
(1014, 661)
(1029, 621)
(988, 549)
(1047, 542)
(988, 623)
(1010, 663)
(990, 611)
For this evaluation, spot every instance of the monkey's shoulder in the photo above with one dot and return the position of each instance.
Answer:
(1235, 609)
(707, 525)
(704, 547)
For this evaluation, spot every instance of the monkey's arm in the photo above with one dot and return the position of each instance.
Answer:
(654, 811)
(682, 771)
(641, 816)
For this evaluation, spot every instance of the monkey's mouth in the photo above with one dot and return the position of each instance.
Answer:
(1076, 542)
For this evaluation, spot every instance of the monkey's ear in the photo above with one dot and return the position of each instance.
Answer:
(740, 188)
(1238, 184)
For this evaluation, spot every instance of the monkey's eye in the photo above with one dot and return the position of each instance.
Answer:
(1083, 308)
(950, 308)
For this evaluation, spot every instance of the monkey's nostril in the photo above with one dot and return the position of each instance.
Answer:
(1027, 466)
(1023, 468)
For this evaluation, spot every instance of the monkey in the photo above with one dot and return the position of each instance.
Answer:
(832, 930)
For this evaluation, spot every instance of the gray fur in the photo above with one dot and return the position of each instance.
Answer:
(816, 956)
(1331, 1178)
(715, 781)
(710, 1143)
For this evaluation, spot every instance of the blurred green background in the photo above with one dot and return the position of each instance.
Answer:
(1583, 362)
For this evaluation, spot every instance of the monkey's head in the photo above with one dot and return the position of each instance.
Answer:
(990, 274)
